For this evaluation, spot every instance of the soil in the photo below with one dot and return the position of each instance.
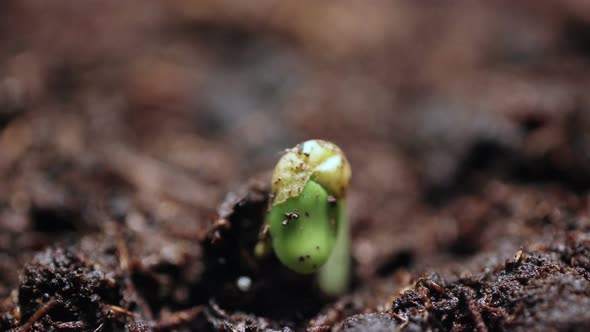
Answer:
(137, 140)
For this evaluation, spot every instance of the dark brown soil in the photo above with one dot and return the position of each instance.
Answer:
(137, 140)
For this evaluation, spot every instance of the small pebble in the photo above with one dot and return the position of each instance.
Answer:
(244, 283)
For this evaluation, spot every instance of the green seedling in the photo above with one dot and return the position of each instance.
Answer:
(307, 220)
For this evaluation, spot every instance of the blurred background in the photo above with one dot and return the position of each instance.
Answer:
(453, 115)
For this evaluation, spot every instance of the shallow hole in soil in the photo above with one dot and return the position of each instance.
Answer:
(402, 259)
(54, 220)
(6, 118)
(272, 291)
(576, 36)
(484, 157)
(464, 246)
(542, 171)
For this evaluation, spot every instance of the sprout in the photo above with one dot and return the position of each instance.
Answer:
(307, 220)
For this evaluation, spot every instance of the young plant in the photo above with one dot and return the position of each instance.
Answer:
(307, 220)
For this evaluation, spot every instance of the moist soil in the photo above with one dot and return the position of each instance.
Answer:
(137, 140)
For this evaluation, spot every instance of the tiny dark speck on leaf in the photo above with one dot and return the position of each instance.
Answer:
(301, 258)
(317, 247)
(307, 214)
(307, 256)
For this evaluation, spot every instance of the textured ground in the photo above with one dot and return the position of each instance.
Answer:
(136, 141)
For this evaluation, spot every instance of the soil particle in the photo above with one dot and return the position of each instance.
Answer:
(514, 296)
(374, 322)
(61, 287)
